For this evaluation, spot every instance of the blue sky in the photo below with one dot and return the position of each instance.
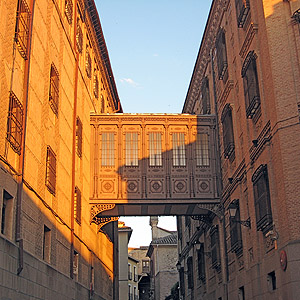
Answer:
(152, 47)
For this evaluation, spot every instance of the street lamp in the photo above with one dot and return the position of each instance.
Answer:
(233, 207)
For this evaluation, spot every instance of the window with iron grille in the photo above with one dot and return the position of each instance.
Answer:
(205, 96)
(15, 123)
(251, 86)
(236, 232)
(96, 86)
(202, 150)
(263, 210)
(79, 137)
(221, 54)
(88, 64)
(77, 205)
(54, 89)
(51, 170)
(242, 10)
(179, 159)
(190, 273)
(227, 126)
(155, 149)
(131, 149)
(107, 149)
(22, 27)
(201, 263)
(79, 38)
(69, 10)
(215, 248)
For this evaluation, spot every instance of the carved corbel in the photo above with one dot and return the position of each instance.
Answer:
(98, 220)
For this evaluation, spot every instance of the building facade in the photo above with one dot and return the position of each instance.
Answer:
(55, 70)
(248, 247)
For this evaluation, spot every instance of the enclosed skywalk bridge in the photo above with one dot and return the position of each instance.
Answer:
(153, 164)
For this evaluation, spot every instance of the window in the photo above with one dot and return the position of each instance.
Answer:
(262, 200)
(79, 137)
(130, 292)
(215, 248)
(205, 96)
(271, 281)
(88, 64)
(181, 281)
(75, 264)
(7, 214)
(221, 54)
(201, 263)
(145, 266)
(54, 89)
(96, 86)
(131, 149)
(202, 153)
(190, 273)
(228, 138)
(236, 232)
(178, 149)
(242, 10)
(135, 276)
(241, 293)
(251, 87)
(108, 149)
(22, 27)
(129, 272)
(79, 37)
(155, 149)
(15, 123)
(69, 10)
(77, 205)
(51, 170)
(46, 244)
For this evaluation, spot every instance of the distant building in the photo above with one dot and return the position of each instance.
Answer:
(133, 291)
(163, 257)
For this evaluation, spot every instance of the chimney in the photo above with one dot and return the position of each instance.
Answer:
(153, 223)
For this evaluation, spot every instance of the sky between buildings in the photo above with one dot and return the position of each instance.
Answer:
(152, 45)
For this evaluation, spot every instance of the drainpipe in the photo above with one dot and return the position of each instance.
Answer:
(74, 143)
(219, 174)
(22, 155)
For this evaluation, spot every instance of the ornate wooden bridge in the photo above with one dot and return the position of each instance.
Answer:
(153, 164)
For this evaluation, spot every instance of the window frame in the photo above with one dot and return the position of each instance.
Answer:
(190, 273)
(202, 150)
(222, 61)
(178, 149)
(107, 149)
(54, 89)
(131, 149)
(79, 137)
(77, 205)
(228, 134)
(79, 37)
(201, 263)
(205, 96)
(51, 165)
(15, 117)
(155, 149)
(236, 240)
(242, 10)
(215, 247)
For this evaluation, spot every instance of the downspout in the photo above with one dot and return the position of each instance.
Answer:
(22, 154)
(74, 143)
(219, 174)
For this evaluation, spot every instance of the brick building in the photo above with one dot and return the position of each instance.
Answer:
(247, 73)
(55, 71)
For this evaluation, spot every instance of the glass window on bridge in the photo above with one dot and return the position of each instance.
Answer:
(202, 150)
(155, 149)
(108, 149)
(131, 149)
(179, 158)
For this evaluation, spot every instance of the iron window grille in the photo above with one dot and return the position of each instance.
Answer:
(51, 170)
(242, 10)
(155, 149)
(190, 273)
(79, 38)
(262, 201)
(228, 137)
(222, 62)
(205, 96)
(108, 149)
(88, 64)
(201, 264)
(77, 205)
(251, 86)
(79, 137)
(15, 123)
(22, 27)
(179, 159)
(202, 150)
(69, 10)
(131, 149)
(215, 248)
(236, 233)
(54, 89)
(96, 86)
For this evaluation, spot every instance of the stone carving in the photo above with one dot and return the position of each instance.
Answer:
(132, 186)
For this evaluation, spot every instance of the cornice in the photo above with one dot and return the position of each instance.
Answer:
(207, 44)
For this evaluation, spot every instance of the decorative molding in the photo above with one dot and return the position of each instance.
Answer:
(97, 209)
(253, 28)
(224, 96)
